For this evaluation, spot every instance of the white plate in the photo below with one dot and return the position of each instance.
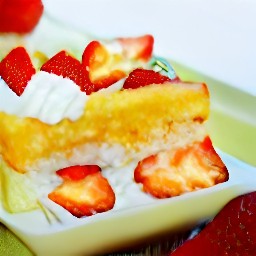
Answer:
(113, 230)
(174, 24)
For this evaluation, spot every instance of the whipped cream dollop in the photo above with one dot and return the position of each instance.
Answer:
(47, 97)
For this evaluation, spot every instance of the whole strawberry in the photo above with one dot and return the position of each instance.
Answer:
(232, 231)
(20, 16)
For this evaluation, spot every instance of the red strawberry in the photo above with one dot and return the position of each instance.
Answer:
(172, 173)
(20, 16)
(95, 57)
(62, 64)
(138, 47)
(16, 69)
(142, 77)
(77, 172)
(106, 81)
(84, 191)
(232, 231)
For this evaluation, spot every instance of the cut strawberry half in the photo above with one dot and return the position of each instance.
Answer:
(138, 47)
(16, 69)
(97, 62)
(94, 56)
(172, 173)
(84, 191)
(232, 231)
(142, 77)
(62, 64)
(20, 16)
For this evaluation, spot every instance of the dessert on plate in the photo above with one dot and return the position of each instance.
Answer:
(70, 123)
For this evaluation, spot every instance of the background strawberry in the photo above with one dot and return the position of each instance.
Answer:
(138, 47)
(20, 16)
(16, 69)
(232, 231)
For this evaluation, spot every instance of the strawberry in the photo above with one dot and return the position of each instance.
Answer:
(172, 173)
(16, 69)
(20, 16)
(62, 64)
(142, 77)
(96, 58)
(77, 172)
(106, 81)
(231, 232)
(137, 47)
(84, 191)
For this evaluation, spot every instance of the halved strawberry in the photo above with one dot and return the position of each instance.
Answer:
(84, 191)
(138, 47)
(94, 56)
(16, 69)
(63, 64)
(20, 16)
(142, 77)
(97, 61)
(172, 173)
(232, 231)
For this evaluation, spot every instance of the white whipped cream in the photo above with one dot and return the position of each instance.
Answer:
(47, 97)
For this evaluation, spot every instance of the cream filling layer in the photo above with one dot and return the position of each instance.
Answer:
(117, 155)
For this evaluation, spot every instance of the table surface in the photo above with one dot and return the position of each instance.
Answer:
(11, 245)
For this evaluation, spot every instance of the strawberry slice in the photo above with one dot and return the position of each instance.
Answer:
(97, 62)
(94, 56)
(138, 47)
(20, 16)
(172, 173)
(16, 69)
(106, 81)
(62, 64)
(232, 231)
(84, 191)
(142, 77)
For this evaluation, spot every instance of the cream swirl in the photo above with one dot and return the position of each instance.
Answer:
(47, 97)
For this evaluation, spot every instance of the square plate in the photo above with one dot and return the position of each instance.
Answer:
(117, 229)
(232, 128)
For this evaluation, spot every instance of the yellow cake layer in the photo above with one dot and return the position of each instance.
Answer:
(132, 119)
